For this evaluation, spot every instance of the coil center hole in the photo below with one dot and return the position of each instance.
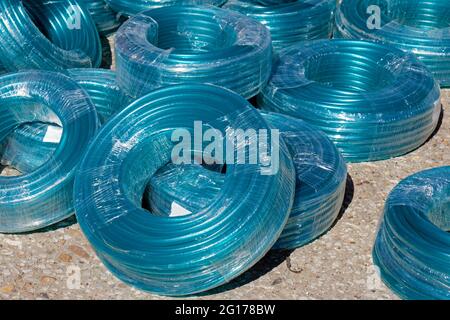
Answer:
(180, 190)
(348, 72)
(33, 137)
(185, 37)
(440, 215)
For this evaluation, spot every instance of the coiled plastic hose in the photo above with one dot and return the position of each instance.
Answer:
(132, 7)
(50, 35)
(420, 27)
(412, 246)
(44, 196)
(321, 176)
(374, 101)
(32, 144)
(105, 19)
(174, 45)
(292, 22)
(189, 254)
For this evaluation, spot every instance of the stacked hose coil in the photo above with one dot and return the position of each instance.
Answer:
(374, 101)
(412, 246)
(321, 176)
(32, 144)
(133, 7)
(292, 22)
(105, 19)
(420, 27)
(44, 196)
(186, 254)
(50, 35)
(175, 45)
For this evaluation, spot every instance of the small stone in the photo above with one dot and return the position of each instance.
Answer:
(7, 289)
(79, 251)
(47, 280)
(277, 281)
(64, 257)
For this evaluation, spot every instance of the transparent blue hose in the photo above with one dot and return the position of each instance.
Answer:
(105, 19)
(412, 246)
(174, 45)
(321, 176)
(292, 22)
(421, 27)
(374, 101)
(44, 196)
(193, 253)
(132, 7)
(32, 144)
(50, 35)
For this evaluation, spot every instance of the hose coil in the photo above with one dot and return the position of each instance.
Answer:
(374, 101)
(133, 7)
(50, 35)
(292, 22)
(188, 254)
(44, 196)
(321, 175)
(412, 246)
(175, 45)
(420, 27)
(32, 144)
(106, 20)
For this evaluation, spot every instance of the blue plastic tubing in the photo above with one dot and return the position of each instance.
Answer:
(44, 196)
(421, 27)
(178, 255)
(174, 45)
(132, 7)
(31, 144)
(412, 246)
(321, 176)
(106, 20)
(374, 101)
(292, 22)
(50, 35)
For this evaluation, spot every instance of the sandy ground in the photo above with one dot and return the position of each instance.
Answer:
(60, 264)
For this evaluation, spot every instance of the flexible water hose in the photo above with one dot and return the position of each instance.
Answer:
(174, 45)
(374, 101)
(189, 254)
(32, 144)
(105, 19)
(44, 196)
(321, 176)
(292, 22)
(420, 27)
(50, 35)
(412, 246)
(132, 7)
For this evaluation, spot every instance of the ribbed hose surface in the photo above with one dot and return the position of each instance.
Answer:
(374, 101)
(32, 144)
(44, 196)
(178, 255)
(132, 7)
(321, 176)
(174, 45)
(50, 35)
(412, 247)
(292, 22)
(105, 19)
(420, 27)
